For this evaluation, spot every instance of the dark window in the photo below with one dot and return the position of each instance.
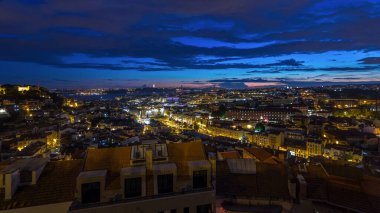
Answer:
(132, 187)
(204, 208)
(25, 176)
(165, 183)
(200, 179)
(173, 211)
(91, 192)
(186, 210)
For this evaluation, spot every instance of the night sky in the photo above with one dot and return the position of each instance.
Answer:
(194, 43)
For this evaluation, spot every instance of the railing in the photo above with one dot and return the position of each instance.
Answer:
(76, 205)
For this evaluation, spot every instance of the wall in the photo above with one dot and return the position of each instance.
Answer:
(56, 208)
(177, 202)
(12, 181)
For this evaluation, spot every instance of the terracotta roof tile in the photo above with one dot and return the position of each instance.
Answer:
(110, 159)
(230, 155)
(270, 181)
(181, 153)
(56, 184)
(260, 154)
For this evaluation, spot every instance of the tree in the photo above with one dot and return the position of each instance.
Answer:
(260, 127)
(221, 112)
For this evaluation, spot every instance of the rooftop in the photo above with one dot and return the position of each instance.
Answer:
(230, 155)
(56, 184)
(270, 181)
(339, 186)
(110, 159)
(115, 159)
(260, 154)
(24, 164)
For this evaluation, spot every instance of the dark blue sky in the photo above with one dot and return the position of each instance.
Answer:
(230, 43)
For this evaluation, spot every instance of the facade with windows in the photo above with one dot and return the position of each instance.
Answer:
(149, 177)
(268, 115)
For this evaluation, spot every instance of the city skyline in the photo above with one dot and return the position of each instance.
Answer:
(230, 44)
(190, 106)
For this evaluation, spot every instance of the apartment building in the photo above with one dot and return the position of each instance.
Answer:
(272, 140)
(37, 185)
(267, 114)
(150, 177)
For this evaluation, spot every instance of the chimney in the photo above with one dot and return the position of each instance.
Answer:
(149, 158)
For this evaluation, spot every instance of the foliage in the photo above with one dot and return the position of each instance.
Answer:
(359, 113)
(220, 113)
(260, 127)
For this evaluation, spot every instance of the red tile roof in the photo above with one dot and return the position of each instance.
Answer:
(56, 184)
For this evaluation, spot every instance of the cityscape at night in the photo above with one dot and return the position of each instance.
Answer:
(201, 106)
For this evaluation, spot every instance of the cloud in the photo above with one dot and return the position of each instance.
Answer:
(85, 61)
(64, 80)
(201, 24)
(229, 38)
(32, 2)
(340, 69)
(239, 80)
(347, 78)
(79, 31)
(260, 71)
(289, 62)
(245, 83)
(212, 43)
(371, 60)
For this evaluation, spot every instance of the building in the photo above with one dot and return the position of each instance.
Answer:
(342, 152)
(296, 148)
(260, 155)
(344, 103)
(339, 188)
(37, 149)
(226, 132)
(2, 90)
(245, 185)
(295, 134)
(23, 88)
(26, 140)
(4, 113)
(266, 114)
(53, 139)
(228, 155)
(351, 137)
(272, 140)
(314, 147)
(36, 185)
(149, 177)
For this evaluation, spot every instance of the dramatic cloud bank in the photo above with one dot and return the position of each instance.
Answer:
(112, 43)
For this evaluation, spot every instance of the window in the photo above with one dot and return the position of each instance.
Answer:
(132, 187)
(204, 208)
(186, 210)
(91, 192)
(165, 183)
(25, 176)
(200, 179)
(173, 211)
